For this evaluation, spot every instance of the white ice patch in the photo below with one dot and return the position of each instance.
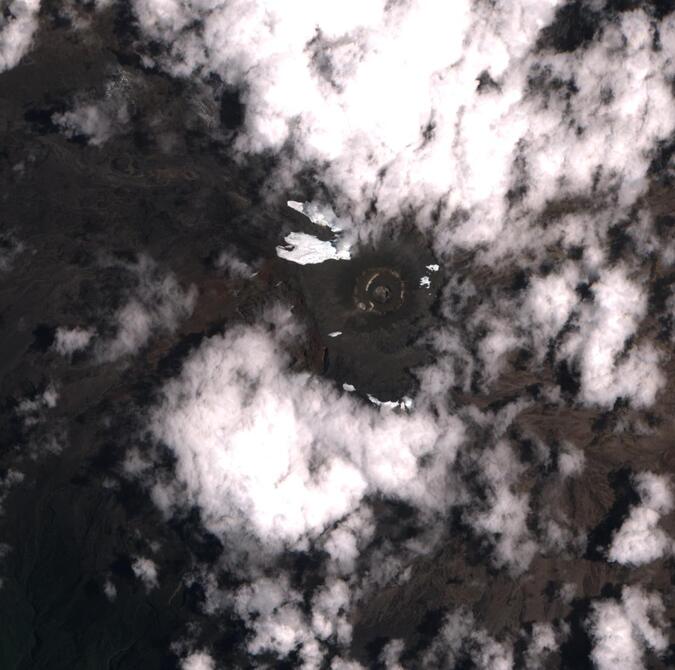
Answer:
(405, 403)
(306, 249)
(335, 333)
(321, 215)
(425, 282)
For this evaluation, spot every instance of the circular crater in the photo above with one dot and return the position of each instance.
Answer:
(371, 313)
(379, 290)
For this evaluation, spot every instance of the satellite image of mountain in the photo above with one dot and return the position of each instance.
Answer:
(337, 335)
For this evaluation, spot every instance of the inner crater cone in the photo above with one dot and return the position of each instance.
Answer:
(379, 291)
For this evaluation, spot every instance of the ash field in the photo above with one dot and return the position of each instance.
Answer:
(337, 335)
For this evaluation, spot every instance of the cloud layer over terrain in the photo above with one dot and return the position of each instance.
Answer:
(522, 154)
(501, 138)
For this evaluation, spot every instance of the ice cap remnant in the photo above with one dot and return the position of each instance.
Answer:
(306, 249)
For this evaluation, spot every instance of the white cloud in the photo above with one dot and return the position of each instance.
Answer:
(499, 340)
(10, 248)
(110, 590)
(99, 120)
(158, 303)
(391, 655)
(92, 121)
(620, 631)
(571, 460)
(279, 459)
(352, 91)
(605, 327)
(8, 480)
(543, 641)
(32, 409)
(319, 91)
(330, 607)
(286, 454)
(274, 613)
(461, 635)
(640, 540)
(146, 570)
(346, 540)
(549, 303)
(504, 518)
(199, 660)
(272, 609)
(70, 340)
(233, 266)
(17, 28)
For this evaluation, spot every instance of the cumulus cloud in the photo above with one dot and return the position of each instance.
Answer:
(505, 516)
(483, 112)
(275, 449)
(158, 303)
(489, 139)
(68, 341)
(571, 460)
(477, 135)
(91, 121)
(597, 347)
(18, 25)
(32, 409)
(549, 303)
(543, 641)
(8, 480)
(639, 540)
(199, 660)
(461, 638)
(622, 630)
(99, 120)
(110, 590)
(276, 460)
(146, 570)
(273, 611)
(233, 266)
(10, 248)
